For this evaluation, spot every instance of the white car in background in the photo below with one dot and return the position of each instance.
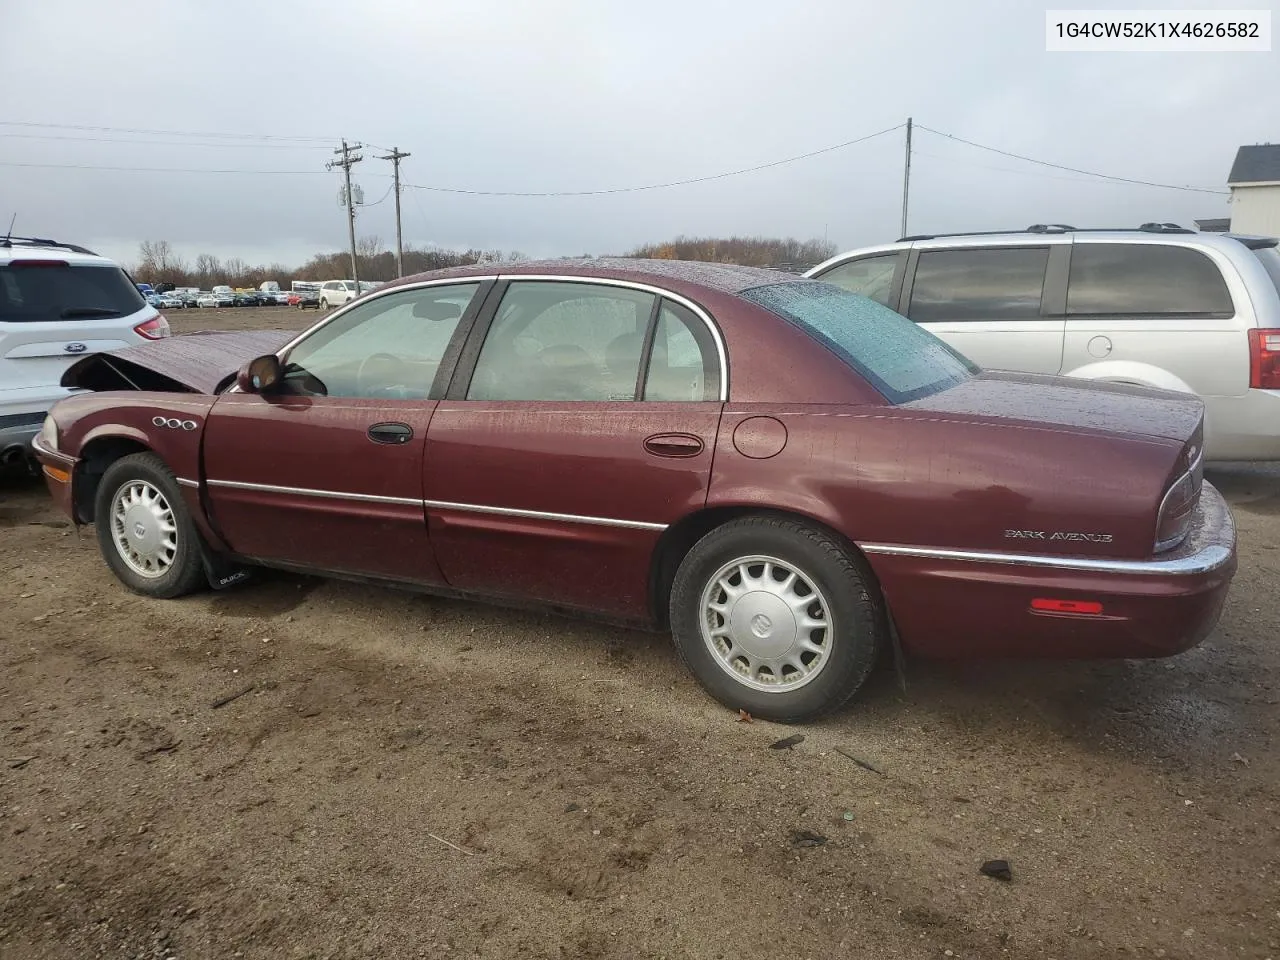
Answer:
(58, 302)
(334, 293)
(215, 300)
(1159, 306)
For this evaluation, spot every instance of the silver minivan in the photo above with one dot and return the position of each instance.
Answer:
(1159, 306)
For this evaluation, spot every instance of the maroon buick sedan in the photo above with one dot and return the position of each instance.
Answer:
(788, 477)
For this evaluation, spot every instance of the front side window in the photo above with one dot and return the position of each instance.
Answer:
(1144, 278)
(870, 276)
(901, 360)
(1003, 283)
(390, 347)
(563, 341)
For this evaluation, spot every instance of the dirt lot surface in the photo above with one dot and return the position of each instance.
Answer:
(411, 777)
(194, 319)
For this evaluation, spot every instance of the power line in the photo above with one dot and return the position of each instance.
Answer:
(1014, 170)
(170, 143)
(161, 133)
(1059, 166)
(90, 166)
(655, 186)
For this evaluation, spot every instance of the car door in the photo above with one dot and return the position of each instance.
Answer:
(989, 303)
(325, 471)
(1155, 313)
(579, 425)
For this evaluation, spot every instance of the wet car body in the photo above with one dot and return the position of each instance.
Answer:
(994, 514)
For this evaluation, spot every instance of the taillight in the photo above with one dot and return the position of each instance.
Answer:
(1264, 359)
(38, 263)
(157, 328)
(1174, 518)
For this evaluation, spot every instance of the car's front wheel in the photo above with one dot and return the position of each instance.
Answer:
(777, 617)
(145, 532)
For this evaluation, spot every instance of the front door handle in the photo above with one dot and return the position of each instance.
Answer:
(391, 433)
(673, 445)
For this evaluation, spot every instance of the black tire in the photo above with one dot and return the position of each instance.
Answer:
(185, 572)
(854, 607)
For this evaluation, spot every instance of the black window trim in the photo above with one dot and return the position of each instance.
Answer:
(908, 289)
(1197, 315)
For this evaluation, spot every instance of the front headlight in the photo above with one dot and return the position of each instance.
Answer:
(48, 436)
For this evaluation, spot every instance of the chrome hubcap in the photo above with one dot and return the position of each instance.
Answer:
(766, 623)
(143, 528)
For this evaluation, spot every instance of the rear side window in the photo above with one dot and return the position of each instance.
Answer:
(895, 356)
(988, 284)
(870, 276)
(1144, 278)
(1270, 258)
(44, 291)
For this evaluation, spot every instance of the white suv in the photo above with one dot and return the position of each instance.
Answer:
(334, 293)
(1159, 306)
(58, 302)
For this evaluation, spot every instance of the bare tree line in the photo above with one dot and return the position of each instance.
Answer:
(158, 262)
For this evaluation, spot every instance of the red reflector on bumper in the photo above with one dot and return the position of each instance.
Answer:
(1046, 605)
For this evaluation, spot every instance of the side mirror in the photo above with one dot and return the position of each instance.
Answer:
(259, 375)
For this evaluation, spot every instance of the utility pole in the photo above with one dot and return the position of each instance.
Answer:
(395, 157)
(906, 180)
(349, 159)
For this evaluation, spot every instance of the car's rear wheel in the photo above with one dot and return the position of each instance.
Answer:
(144, 530)
(777, 617)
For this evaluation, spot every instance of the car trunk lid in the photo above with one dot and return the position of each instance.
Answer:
(1070, 404)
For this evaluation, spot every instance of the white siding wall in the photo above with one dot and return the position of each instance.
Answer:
(1256, 210)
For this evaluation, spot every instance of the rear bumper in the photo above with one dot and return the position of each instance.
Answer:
(16, 433)
(1243, 428)
(951, 603)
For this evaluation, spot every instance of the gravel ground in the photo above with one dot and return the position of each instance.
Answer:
(413, 777)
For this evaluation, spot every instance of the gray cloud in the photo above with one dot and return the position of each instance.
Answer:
(566, 95)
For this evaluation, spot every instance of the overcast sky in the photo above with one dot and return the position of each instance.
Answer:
(554, 95)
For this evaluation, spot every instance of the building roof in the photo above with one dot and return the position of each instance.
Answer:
(1216, 225)
(1257, 164)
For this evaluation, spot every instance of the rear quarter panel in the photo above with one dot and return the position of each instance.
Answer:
(897, 476)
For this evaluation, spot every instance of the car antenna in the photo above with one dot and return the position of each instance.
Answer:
(12, 221)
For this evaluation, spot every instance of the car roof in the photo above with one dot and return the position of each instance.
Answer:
(1232, 245)
(20, 248)
(723, 277)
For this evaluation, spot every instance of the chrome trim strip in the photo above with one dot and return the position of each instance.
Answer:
(697, 311)
(184, 482)
(1197, 464)
(541, 515)
(1210, 558)
(304, 492)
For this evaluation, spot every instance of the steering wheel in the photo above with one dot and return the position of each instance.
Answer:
(395, 368)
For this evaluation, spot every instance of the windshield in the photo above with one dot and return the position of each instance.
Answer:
(1270, 258)
(44, 291)
(898, 358)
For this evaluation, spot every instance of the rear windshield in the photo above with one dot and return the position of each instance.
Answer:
(41, 292)
(1270, 258)
(900, 359)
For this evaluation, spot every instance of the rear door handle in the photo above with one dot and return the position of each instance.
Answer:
(673, 445)
(391, 433)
